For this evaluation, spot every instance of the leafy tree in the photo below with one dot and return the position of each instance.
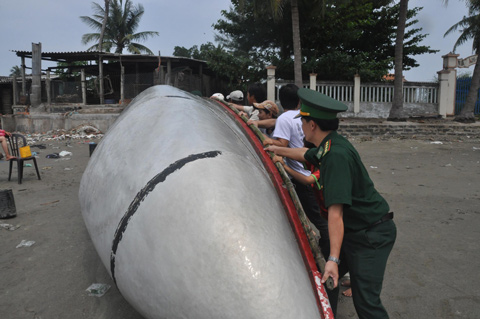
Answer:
(67, 72)
(250, 32)
(356, 36)
(277, 11)
(15, 71)
(470, 29)
(235, 67)
(123, 21)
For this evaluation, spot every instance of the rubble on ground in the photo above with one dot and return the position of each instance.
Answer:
(84, 131)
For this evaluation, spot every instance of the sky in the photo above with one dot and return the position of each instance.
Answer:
(57, 26)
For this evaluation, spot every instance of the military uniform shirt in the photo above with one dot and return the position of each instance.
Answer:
(344, 180)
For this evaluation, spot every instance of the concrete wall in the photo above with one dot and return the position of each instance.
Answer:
(37, 123)
(371, 110)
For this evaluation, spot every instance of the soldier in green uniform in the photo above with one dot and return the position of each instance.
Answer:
(359, 223)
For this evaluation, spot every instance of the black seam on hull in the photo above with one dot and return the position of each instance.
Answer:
(142, 194)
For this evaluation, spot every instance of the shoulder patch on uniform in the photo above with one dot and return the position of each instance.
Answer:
(319, 152)
(328, 145)
(322, 150)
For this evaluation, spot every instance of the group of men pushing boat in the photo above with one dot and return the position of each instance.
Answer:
(355, 223)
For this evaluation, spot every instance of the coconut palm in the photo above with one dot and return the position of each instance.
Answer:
(396, 112)
(123, 21)
(470, 29)
(104, 25)
(15, 71)
(276, 7)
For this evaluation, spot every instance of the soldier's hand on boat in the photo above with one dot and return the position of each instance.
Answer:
(267, 141)
(331, 270)
(252, 122)
(279, 159)
(271, 148)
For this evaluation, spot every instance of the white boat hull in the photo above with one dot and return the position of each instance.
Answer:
(186, 219)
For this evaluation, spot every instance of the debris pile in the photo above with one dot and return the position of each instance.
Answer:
(84, 131)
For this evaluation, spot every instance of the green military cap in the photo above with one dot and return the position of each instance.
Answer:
(317, 105)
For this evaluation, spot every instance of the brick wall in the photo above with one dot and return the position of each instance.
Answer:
(439, 128)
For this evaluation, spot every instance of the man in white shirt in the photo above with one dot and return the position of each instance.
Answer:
(288, 133)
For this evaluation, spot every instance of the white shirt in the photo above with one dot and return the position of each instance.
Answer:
(290, 129)
(251, 112)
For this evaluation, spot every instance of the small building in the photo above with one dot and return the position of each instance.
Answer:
(77, 79)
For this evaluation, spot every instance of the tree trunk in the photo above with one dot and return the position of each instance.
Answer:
(467, 115)
(105, 18)
(397, 112)
(297, 48)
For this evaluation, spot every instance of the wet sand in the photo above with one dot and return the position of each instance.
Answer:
(433, 188)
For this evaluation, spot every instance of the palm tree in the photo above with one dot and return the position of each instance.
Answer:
(104, 25)
(15, 71)
(470, 29)
(276, 7)
(123, 21)
(396, 112)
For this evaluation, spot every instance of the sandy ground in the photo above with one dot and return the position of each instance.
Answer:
(433, 188)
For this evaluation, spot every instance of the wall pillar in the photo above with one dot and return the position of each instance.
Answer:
(446, 97)
(448, 85)
(271, 82)
(313, 81)
(356, 94)
(36, 97)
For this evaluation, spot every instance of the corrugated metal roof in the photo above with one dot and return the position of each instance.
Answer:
(94, 55)
(9, 79)
(5, 79)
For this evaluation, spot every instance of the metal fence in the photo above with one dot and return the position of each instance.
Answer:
(463, 87)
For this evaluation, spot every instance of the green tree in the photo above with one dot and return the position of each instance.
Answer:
(350, 37)
(469, 29)
(396, 112)
(65, 69)
(277, 9)
(120, 30)
(235, 67)
(15, 71)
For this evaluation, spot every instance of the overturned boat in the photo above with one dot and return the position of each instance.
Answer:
(189, 216)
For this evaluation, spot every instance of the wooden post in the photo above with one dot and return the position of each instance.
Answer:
(24, 82)
(137, 79)
(84, 86)
(162, 75)
(14, 89)
(100, 80)
(169, 73)
(200, 72)
(47, 88)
